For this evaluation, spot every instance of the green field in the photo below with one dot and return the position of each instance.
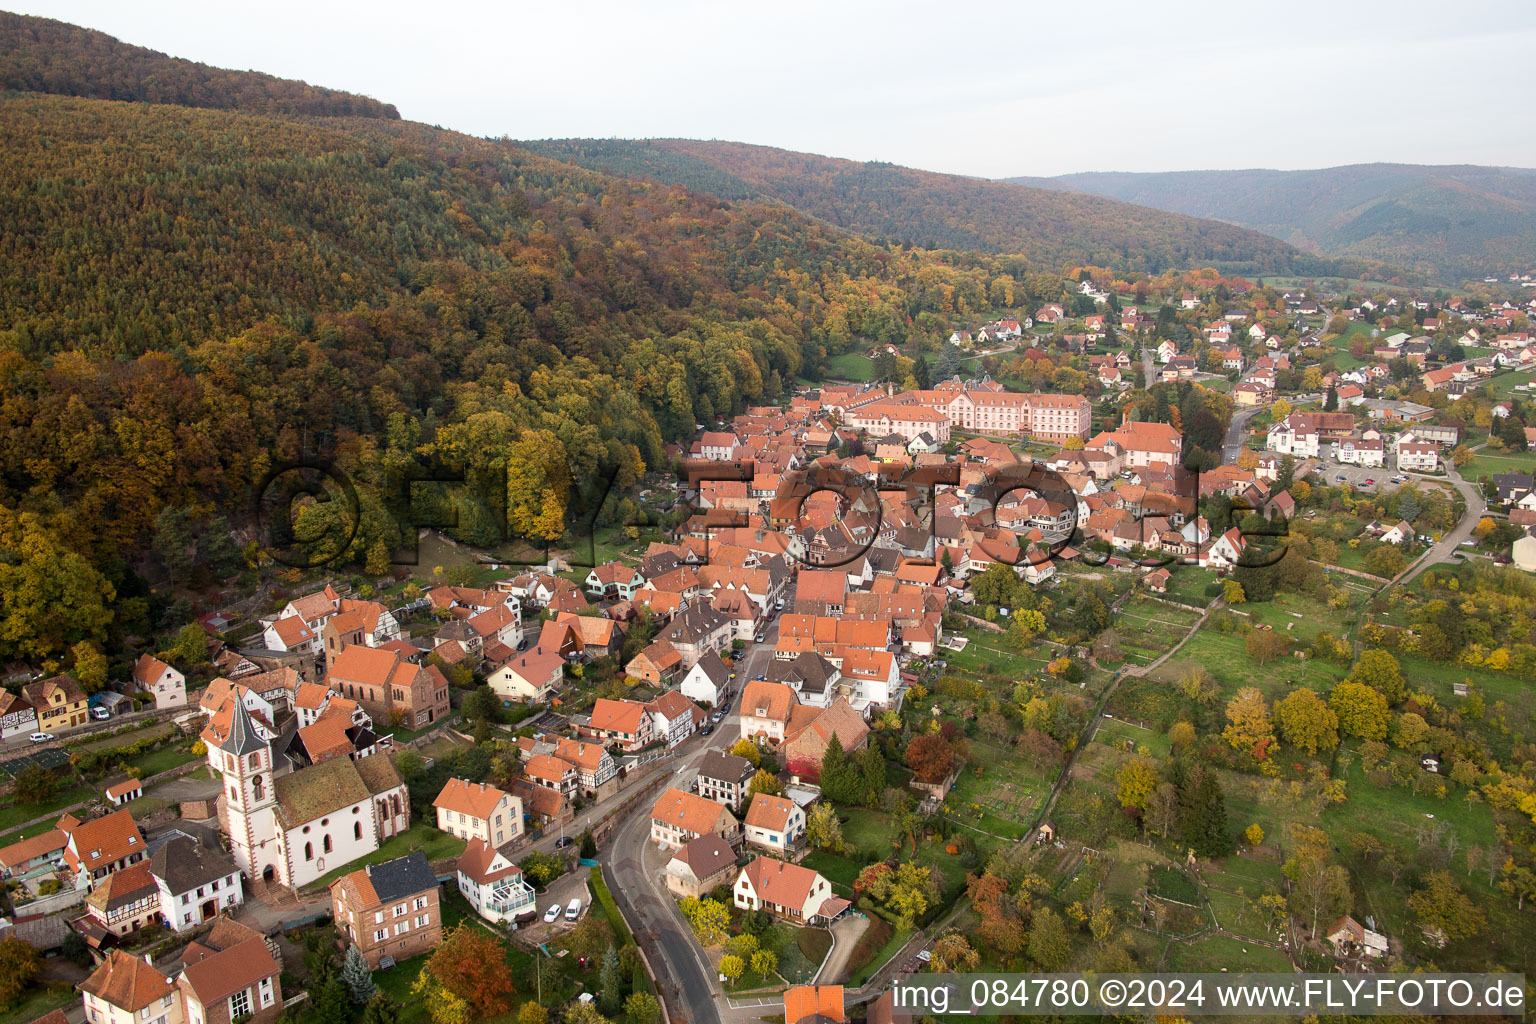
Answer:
(851, 366)
(1488, 462)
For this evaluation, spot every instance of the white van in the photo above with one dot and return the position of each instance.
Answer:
(573, 909)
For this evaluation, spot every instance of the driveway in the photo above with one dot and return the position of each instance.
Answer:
(572, 884)
(845, 935)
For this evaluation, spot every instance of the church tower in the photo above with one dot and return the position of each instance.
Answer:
(243, 758)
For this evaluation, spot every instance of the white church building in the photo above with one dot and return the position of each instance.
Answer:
(292, 828)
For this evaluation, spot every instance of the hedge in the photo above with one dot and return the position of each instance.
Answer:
(610, 907)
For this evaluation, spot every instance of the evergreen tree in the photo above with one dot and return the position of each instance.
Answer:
(840, 781)
(872, 768)
(609, 992)
(1331, 403)
(357, 977)
(920, 373)
(948, 363)
(1203, 813)
(331, 1002)
(381, 1010)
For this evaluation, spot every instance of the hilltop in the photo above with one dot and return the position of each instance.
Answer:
(884, 202)
(1444, 222)
(43, 55)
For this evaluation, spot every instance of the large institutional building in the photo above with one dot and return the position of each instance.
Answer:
(979, 406)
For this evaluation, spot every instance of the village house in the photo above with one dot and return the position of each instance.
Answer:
(708, 682)
(390, 909)
(196, 883)
(677, 817)
(774, 823)
(101, 846)
(765, 709)
(154, 677)
(673, 717)
(724, 778)
(622, 722)
(699, 866)
(787, 890)
(229, 975)
(532, 677)
(596, 771)
(473, 810)
(494, 885)
(389, 687)
(59, 701)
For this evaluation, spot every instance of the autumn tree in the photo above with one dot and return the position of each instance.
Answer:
(1134, 782)
(1441, 904)
(1306, 721)
(1361, 710)
(765, 781)
(747, 750)
(1181, 734)
(952, 954)
(471, 964)
(930, 756)
(19, 967)
(823, 830)
(1379, 670)
(1049, 944)
(1248, 727)
(1254, 834)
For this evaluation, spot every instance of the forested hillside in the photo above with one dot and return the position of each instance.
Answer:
(1447, 223)
(43, 55)
(886, 202)
(191, 295)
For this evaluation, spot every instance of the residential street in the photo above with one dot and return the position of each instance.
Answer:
(636, 864)
(1447, 545)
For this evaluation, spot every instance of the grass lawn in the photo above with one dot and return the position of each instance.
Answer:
(1221, 952)
(1502, 385)
(13, 814)
(1489, 462)
(839, 870)
(1225, 657)
(1189, 584)
(39, 1001)
(851, 366)
(420, 836)
(988, 654)
(153, 732)
(1395, 814)
(871, 831)
(163, 760)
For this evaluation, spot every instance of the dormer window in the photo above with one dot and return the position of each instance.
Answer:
(132, 840)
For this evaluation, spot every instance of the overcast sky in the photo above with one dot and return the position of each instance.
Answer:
(992, 89)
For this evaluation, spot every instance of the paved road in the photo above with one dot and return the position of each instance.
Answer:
(636, 864)
(1447, 545)
(1233, 447)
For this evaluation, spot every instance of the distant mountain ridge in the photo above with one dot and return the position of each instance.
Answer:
(1444, 221)
(885, 202)
(46, 56)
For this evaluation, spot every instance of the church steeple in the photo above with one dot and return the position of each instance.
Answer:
(244, 738)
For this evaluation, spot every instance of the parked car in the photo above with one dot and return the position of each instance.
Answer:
(761, 637)
(552, 914)
(563, 842)
(1370, 482)
(706, 729)
(41, 737)
(100, 714)
(573, 908)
